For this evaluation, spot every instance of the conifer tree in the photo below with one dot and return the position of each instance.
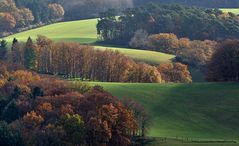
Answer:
(29, 55)
(3, 49)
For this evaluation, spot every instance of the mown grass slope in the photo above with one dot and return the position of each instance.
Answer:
(147, 56)
(235, 11)
(200, 110)
(83, 31)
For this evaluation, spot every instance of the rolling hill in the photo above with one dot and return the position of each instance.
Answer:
(84, 31)
(199, 110)
(235, 11)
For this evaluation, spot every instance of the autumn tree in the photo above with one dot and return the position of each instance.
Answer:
(7, 22)
(72, 60)
(56, 11)
(49, 112)
(141, 115)
(195, 53)
(74, 128)
(30, 124)
(164, 42)
(175, 72)
(105, 115)
(224, 63)
(140, 39)
(24, 17)
(144, 73)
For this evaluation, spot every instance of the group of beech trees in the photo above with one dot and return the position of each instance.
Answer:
(198, 3)
(73, 60)
(191, 22)
(42, 111)
(224, 65)
(195, 53)
(14, 16)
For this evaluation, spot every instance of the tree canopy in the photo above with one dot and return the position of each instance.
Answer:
(192, 22)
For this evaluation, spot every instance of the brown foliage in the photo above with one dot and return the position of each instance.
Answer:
(72, 60)
(108, 122)
(144, 73)
(105, 120)
(195, 53)
(20, 16)
(57, 11)
(32, 120)
(167, 42)
(176, 72)
(7, 22)
(224, 65)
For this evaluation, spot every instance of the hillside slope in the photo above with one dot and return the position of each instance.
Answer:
(84, 31)
(203, 110)
(235, 11)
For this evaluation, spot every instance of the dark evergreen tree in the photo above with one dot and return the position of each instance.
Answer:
(3, 49)
(29, 55)
(9, 136)
(37, 91)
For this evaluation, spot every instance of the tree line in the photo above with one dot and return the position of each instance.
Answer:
(224, 65)
(195, 53)
(198, 3)
(72, 60)
(15, 16)
(41, 110)
(218, 60)
(191, 22)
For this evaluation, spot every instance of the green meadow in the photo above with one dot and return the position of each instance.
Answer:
(198, 110)
(83, 31)
(235, 11)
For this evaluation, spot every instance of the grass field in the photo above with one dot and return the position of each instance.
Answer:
(235, 11)
(199, 110)
(83, 31)
(151, 57)
(174, 142)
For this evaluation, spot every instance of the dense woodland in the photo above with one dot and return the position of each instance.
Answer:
(191, 22)
(38, 109)
(224, 65)
(72, 60)
(41, 110)
(195, 53)
(27, 14)
(198, 3)
(19, 15)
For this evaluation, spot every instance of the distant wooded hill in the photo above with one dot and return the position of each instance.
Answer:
(199, 3)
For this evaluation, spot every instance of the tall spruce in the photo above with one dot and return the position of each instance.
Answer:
(3, 49)
(29, 55)
(14, 42)
(15, 54)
